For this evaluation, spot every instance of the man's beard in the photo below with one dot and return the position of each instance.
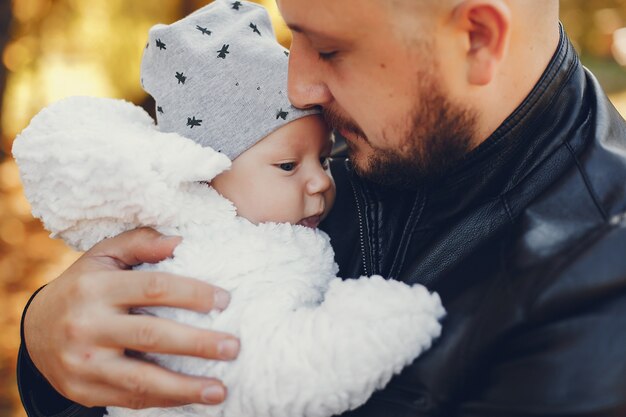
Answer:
(439, 135)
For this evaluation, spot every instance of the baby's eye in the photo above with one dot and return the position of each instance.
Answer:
(324, 162)
(287, 166)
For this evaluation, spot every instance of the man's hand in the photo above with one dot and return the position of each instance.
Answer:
(77, 328)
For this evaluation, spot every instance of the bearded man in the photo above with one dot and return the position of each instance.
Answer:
(484, 162)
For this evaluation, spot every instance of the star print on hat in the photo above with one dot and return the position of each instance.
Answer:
(218, 77)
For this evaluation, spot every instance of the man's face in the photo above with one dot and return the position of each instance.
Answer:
(285, 177)
(374, 69)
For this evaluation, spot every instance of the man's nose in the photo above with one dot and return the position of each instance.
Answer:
(306, 84)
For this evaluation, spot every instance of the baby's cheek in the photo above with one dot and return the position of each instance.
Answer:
(251, 205)
(276, 207)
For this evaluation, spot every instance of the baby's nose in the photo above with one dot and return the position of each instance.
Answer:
(319, 182)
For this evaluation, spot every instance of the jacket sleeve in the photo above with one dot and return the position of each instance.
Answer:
(569, 357)
(38, 397)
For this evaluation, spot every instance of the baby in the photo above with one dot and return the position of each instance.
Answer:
(219, 78)
(93, 168)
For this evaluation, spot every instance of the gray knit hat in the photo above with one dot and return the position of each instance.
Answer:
(219, 77)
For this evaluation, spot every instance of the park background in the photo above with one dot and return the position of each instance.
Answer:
(50, 49)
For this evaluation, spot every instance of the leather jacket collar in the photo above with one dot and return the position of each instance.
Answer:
(522, 142)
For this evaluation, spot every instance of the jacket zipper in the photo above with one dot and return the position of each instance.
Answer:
(361, 228)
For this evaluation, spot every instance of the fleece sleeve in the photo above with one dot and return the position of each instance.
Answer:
(336, 355)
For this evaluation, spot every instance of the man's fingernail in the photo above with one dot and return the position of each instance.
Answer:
(221, 299)
(213, 394)
(228, 349)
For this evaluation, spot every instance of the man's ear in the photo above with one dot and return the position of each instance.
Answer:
(487, 24)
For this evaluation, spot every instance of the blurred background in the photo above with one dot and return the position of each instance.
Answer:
(50, 49)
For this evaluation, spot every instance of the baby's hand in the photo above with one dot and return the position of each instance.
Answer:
(77, 328)
(375, 298)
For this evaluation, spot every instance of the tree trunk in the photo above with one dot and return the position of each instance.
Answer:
(5, 33)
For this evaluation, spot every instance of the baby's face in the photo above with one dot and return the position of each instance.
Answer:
(285, 177)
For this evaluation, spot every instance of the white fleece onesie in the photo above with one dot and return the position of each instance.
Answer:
(312, 344)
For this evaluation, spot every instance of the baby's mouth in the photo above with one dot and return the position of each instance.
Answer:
(311, 222)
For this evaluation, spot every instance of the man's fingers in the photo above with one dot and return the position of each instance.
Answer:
(114, 397)
(134, 247)
(145, 288)
(140, 385)
(148, 385)
(152, 334)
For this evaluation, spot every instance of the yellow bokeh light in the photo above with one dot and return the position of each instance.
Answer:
(26, 10)
(12, 231)
(19, 53)
(66, 76)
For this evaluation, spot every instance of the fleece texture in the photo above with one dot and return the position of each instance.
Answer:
(312, 344)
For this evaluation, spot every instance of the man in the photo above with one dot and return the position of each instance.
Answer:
(485, 163)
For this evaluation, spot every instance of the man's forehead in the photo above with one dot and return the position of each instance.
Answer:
(320, 17)
(307, 10)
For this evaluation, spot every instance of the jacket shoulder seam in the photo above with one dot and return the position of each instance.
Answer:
(587, 182)
(507, 208)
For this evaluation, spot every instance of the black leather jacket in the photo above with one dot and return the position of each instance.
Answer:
(525, 241)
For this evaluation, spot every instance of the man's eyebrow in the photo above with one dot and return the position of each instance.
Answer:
(308, 31)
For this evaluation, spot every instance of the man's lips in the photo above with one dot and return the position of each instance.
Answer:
(311, 222)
